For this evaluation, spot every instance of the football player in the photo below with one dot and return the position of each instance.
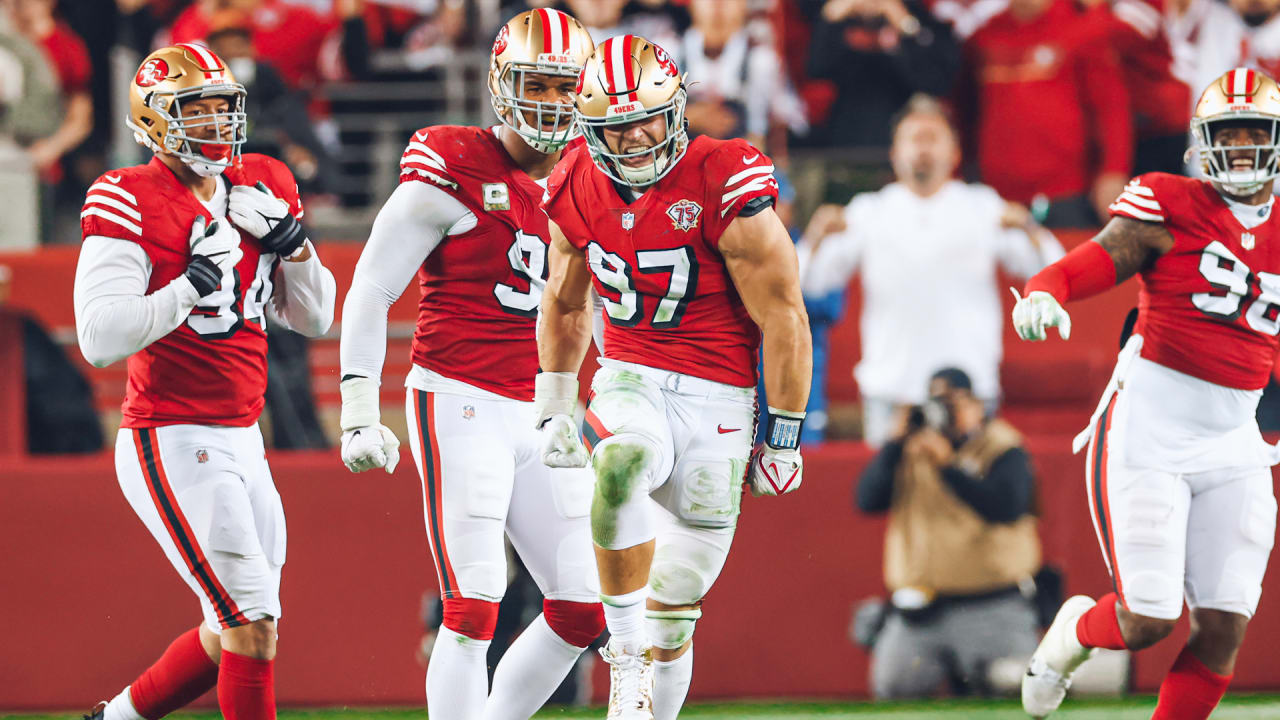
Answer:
(1178, 476)
(681, 240)
(465, 219)
(186, 261)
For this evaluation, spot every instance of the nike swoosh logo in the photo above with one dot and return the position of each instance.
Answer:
(748, 160)
(420, 135)
(721, 429)
(115, 179)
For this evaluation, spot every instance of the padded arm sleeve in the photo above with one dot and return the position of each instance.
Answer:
(1085, 271)
(115, 317)
(414, 220)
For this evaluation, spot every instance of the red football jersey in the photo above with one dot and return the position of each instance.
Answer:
(669, 300)
(1210, 307)
(480, 288)
(212, 369)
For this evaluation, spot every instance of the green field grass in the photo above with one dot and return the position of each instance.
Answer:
(1244, 707)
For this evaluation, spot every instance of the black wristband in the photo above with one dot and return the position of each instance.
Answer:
(204, 274)
(783, 433)
(286, 237)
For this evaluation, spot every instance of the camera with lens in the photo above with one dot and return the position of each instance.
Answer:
(932, 413)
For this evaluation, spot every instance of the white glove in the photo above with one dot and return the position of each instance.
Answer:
(215, 251)
(555, 398)
(775, 471)
(366, 442)
(1037, 311)
(267, 218)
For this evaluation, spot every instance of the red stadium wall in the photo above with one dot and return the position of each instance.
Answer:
(89, 600)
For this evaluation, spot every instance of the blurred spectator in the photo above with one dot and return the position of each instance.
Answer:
(926, 247)
(878, 53)
(739, 86)
(28, 102)
(1159, 101)
(424, 33)
(1208, 39)
(60, 414)
(291, 405)
(961, 548)
(1045, 100)
(67, 54)
(1262, 38)
(653, 21)
(286, 35)
(278, 121)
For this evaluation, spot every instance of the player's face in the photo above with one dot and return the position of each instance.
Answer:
(637, 136)
(1238, 137)
(924, 149)
(540, 87)
(192, 109)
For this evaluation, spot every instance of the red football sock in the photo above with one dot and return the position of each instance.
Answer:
(246, 688)
(1190, 691)
(181, 675)
(1099, 627)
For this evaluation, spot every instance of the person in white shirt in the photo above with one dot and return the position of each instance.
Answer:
(931, 242)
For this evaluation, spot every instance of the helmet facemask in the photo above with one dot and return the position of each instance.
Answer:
(663, 156)
(1216, 159)
(511, 105)
(206, 157)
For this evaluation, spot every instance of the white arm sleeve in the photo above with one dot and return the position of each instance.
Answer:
(414, 220)
(304, 295)
(830, 267)
(115, 317)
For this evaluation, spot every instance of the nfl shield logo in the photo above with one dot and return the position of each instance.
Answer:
(628, 220)
(468, 412)
(1247, 241)
(202, 456)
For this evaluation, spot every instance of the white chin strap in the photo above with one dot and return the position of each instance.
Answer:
(205, 169)
(1242, 182)
(645, 174)
(549, 143)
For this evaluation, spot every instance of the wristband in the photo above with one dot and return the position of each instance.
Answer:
(360, 406)
(783, 431)
(204, 274)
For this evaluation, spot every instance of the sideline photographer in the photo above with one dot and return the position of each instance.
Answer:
(961, 547)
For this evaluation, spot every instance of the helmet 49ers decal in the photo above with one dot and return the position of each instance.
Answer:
(152, 72)
(500, 43)
(665, 61)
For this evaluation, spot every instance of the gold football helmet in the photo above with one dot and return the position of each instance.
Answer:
(627, 79)
(546, 42)
(1240, 97)
(173, 75)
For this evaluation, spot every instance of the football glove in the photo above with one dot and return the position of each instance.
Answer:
(555, 398)
(215, 251)
(1037, 311)
(267, 218)
(366, 442)
(776, 465)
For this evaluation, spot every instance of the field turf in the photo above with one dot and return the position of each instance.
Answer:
(1240, 707)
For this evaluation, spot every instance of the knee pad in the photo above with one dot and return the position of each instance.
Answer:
(475, 619)
(623, 467)
(686, 563)
(577, 623)
(671, 629)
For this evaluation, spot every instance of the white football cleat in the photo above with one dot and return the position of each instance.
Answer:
(630, 683)
(1058, 655)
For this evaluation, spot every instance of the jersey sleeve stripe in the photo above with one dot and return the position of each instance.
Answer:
(112, 217)
(1147, 203)
(414, 158)
(1121, 207)
(759, 183)
(426, 150)
(1138, 15)
(747, 173)
(114, 189)
(96, 199)
(437, 179)
(1137, 189)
